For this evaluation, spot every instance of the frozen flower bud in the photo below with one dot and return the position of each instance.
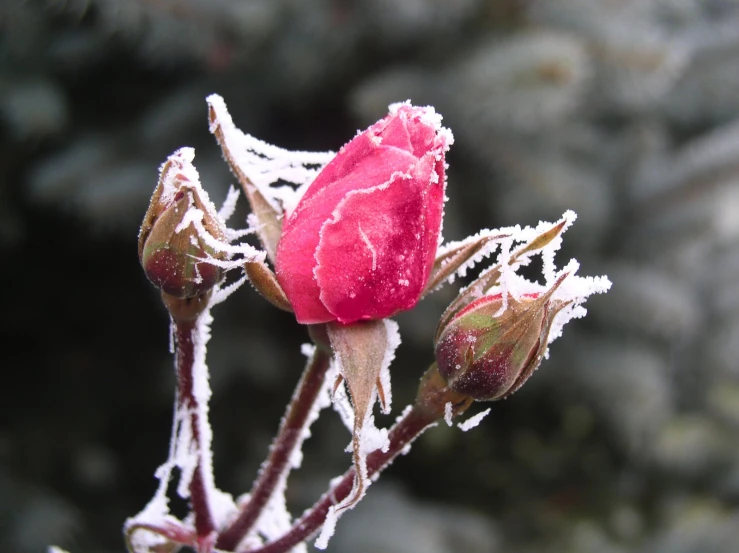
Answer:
(361, 243)
(487, 352)
(173, 241)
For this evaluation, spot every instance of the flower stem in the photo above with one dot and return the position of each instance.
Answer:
(289, 436)
(401, 435)
(188, 402)
(433, 402)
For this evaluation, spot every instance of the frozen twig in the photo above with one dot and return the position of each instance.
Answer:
(429, 407)
(187, 401)
(407, 429)
(293, 430)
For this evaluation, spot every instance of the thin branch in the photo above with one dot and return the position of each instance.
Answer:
(288, 438)
(401, 435)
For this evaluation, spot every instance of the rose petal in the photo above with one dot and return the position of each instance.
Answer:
(395, 133)
(373, 259)
(296, 258)
(361, 243)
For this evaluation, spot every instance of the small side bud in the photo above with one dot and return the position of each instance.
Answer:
(487, 352)
(172, 249)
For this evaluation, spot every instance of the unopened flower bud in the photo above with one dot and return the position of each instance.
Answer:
(487, 353)
(172, 247)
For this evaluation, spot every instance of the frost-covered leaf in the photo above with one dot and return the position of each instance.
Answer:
(455, 258)
(259, 166)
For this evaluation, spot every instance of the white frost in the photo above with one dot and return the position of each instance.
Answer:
(428, 117)
(229, 204)
(249, 252)
(179, 174)
(340, 398)
(574, 289)
(472, 422)
(370, 247)
(448, 413)
(220, 293)
(491, 239)
(393, 341)
(328, 529)
(185, 453)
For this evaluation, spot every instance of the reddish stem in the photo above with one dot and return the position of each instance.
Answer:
(402, 433)
(204, 525)
(173, 531)
(288, 437)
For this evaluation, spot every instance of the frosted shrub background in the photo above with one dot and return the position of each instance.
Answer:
(626, 112)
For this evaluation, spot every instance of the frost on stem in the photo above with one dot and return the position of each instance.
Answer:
(189, 451)
(183, 230)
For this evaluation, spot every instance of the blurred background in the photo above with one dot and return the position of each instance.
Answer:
(627, 111)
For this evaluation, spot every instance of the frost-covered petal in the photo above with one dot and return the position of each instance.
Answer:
(361, 242)
(296, 252)
(373, 257)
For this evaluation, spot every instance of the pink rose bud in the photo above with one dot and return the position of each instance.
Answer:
(488, 355)
(361, 243)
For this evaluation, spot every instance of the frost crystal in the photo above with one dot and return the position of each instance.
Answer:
(229, 204)
(448, 414)
(490, 238)
(472, 422)
(328, 529)
(393, 341)
(574, 289)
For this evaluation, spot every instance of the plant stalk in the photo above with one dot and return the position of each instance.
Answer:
(289, 436)
(403, 433)
(433, 402)
(188, 402)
